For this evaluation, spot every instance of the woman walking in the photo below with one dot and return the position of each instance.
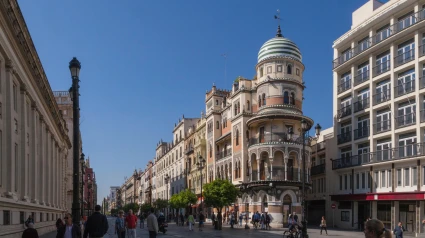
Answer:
(323, 225)
(191, 221)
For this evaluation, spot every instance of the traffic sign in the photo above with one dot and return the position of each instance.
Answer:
(333, 206)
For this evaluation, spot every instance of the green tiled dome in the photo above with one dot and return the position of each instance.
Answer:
(279, 47)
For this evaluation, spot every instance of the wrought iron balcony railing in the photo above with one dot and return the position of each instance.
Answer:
(361, 132)
(382, 126)
(404, 58)
(345, 111)
(381, 97)
(361, 105)
(318, 169)
(344, 86)
(361, 77)
(344, 137)
(406, 120)
(381, 68)
(404, 88)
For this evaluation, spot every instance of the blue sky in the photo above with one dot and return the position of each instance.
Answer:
(145, 63)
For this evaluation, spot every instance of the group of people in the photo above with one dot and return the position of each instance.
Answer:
(128, 223)
(262, 219)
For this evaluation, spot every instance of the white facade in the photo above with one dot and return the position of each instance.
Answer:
(379, 115)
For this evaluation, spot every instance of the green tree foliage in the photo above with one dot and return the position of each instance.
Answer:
(175, 201)
(145, 207)
(160, 204)
(132, 206)
(183, 199)
(114, 211)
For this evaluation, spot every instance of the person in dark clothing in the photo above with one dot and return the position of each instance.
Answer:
(398, 231)
(69, 228)
(295, 217)
(30, 232)
(97, 224)
(29, 220)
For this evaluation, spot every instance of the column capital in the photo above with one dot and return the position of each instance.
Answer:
(23, 88)
(9, 65)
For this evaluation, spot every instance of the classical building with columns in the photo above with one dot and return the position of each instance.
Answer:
(34, 143)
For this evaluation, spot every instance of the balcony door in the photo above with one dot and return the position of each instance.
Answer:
(261, 137)
(262, 170)
(363, 99)
(383, 63)
(363, 153)
(406, 82)
(383, 90)
(407, 145)
(406, 113)
(363, 71)
(406, 21)
(363, 127)
(383, 151)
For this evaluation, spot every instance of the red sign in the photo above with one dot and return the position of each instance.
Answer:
(333, 206)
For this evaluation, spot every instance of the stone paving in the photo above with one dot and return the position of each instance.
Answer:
(208, 231)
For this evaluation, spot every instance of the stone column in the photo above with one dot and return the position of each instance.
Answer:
(7, 135)
(33, 186)
(43, 160)
(22, 176)
(286, 166)
(271, 168)
(258, 168)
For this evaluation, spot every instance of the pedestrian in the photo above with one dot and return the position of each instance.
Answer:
(267, 220)
(191, 221)
(295, 217)
(201, 221)
(29, 220)
(398, 230)
(69, 230)
(181, 219)
(96, 225)
(213, 220)
(59, 224)
(240, 220)
(30, 232)
(375, 229)
(142, 220)
(152, 224)
(262, 221)
(323, 225)
(120, 225)
(232, 219)
(131, 224)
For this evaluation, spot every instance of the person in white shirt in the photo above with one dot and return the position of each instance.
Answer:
(152, 224)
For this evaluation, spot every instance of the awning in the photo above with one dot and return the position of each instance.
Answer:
(379, 196)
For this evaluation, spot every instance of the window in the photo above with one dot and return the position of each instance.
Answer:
(383, 91)
(382, 63)
(345, 82)
(407, 177)
(289, 69)
(259, 101)
(21, 217)
(383, 33)
(363, 44)
(269, 69)
(297, 72)
(363, 180)
(292, 99)
(383, 180)
(210, 151)
(279, 68)
(345, 216)
(399, 177)
(383, 120)
(264, 99)
(346, 54)
(390, 178)
(406, 113)
(237, 137)
(216, 102)
(345, 182)
(286, 97)
(407, 145)
(405, 82)
(6, 218)
(16, 126)
(248, 106)
(217, 125)
(357, 181)
(383, 150)
(414, 176)
(261, 72)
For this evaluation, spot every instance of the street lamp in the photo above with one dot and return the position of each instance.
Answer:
(83, 167)
(200, 165)
(74, 68)
(167, 178)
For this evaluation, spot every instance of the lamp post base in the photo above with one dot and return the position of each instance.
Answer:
(304, 229)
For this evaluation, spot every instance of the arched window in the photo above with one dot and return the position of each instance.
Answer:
(289, 69)
(259, 101)
(239, 107)
(293, 98)
(217, 125)
(239, 169)
(264, 99)
(216, 102)
(237, 137)
(286, 97)
(236, 109)
(236, 170)
(180, 135)
(210, 151)
(248, 106)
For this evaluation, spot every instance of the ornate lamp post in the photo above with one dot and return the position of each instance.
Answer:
(83, 171)
(166, 179)
(200, 165)
(74, 67)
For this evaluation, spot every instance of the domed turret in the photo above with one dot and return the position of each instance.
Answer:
(279, 47)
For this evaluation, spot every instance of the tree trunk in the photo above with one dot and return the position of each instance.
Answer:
(219, 219)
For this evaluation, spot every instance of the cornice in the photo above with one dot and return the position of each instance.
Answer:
(21, 35)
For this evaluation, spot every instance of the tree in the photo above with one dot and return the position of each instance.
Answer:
(187, 198)
(114, 211)
(219, 194)
(160, 204)
(175, 201)
(145, 207)
(132, 206)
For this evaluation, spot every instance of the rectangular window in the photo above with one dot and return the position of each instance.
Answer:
(345, 82)
(383, 91)
(363, 180)
(407, 145)
(390, 178)
(345, 216)
(297, 72)
(376, 179)
(340, 182)
(279, 68)
(407, 177)
(351, 181)
(269, 69)
(382, 63)
(6, 218)
(21, 217)
(399, 177)
(414, 176)
(383, 33)
(345, 182)
(383, 179)
(405, 82)
(369, 179)
(357, 181)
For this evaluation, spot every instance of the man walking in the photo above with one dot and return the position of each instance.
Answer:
(97, 224)
(152, 224)
(131, 223)
(68, 230)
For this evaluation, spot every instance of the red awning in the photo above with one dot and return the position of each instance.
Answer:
(379, 196)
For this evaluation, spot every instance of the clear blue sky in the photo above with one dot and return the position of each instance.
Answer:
(145, 63)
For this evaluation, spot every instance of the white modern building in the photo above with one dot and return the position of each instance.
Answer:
(379, 114)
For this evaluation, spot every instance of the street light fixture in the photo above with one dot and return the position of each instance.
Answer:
(74, 67)
(83, 167)
(200, 165)
(167, 178)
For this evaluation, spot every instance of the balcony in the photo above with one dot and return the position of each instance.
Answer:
(345, 111)
(379, 37)
(361, 132)
(404, 88)
(406, 120)
(404, 58)
(344, 137)
(381, 68)
(224, 154)
(381, 97)
(344, 86)
(318, 169)
(361, 105)
(361, 77)
(292, 174)
(382, 126)
(352, 161)
(189, 150)
(277, 138)
(422, 50)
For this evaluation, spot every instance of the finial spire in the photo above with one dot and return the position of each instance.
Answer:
(277, 17)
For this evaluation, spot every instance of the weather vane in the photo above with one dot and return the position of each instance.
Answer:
(277, 17)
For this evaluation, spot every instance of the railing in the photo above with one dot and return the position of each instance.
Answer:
(292, 174)
(361, 132)
(361, 77)
(278, 138)
(61, 93)
(344, 137)
(344, 86)
(406, 120)
(422, 115)
(224, 154)
(382, 126)
(421, 50)
(404, 88)
(361, 105)
(404, 58)
(318, 169)
(189, 151)
(422, 81)
(379, 37)
(351, 161)
(381, 97)
(345, 111)
(381, 68)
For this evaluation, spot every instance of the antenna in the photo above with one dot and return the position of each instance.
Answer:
(225, 70)
(277, 17)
